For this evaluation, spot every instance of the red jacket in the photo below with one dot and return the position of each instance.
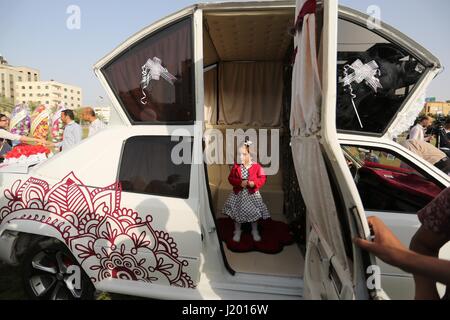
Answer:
(255, 174)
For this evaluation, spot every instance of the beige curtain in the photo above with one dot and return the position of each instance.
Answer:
(250, 93)
(305, 128)
(210, 80)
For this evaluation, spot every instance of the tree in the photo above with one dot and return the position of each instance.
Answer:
(77, 113)
(101, 117)
(6, 105)
(33, 105)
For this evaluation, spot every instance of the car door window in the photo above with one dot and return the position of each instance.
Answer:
(387, 182)
(154, 79)
(147, 167)
(375, 78)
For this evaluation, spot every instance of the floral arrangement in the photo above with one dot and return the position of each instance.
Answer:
(40, 122)
(57, 125)
(20, 120)
(24, 153)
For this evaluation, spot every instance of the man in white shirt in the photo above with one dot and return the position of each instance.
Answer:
(72, 131)
(418, 131)
(95, 124)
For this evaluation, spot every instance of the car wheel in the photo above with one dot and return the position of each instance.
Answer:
(49, 271)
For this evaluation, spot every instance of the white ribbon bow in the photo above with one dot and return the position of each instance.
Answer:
(153, 70)
(364, 72)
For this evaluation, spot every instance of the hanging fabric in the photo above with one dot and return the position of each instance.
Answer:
(305, 125)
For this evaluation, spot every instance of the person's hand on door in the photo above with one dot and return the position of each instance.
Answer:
(385, 244)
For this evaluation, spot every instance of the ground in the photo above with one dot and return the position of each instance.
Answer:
(10, 284)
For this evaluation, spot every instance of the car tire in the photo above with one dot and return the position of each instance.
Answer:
(49, 271)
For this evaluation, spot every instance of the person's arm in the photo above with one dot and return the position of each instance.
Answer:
(260, 178)
(388, 248)
(16, 137)
(430, 238)
(57, 144)
(428, 243)
(31, 140)
(429, 267)
(233, 177)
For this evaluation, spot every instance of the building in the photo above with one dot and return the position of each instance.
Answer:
(51, 93)
(104, 113)
(10, 76)
(437, 108)
(23, 85)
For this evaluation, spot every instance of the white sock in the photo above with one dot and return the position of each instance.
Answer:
(237, 232)
(255, 233)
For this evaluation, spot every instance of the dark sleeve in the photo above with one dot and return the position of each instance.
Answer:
(6, 148)
(436, 215)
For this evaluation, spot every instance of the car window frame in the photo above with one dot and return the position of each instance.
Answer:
(403, 159)
(121, 159)
(426, 72)
(193, 77)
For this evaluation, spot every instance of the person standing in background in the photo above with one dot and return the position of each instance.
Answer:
(447, 128)
(95, 124)
(4, 124)
(72, 131)
(418, 131)
(429, 153)
(5, 144)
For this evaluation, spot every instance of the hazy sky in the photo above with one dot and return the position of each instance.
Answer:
(34, 33)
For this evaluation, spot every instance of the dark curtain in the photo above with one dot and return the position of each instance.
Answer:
(147, 167)
(294, 206)
(165, 102)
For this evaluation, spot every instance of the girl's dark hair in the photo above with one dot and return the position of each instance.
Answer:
(247, 144)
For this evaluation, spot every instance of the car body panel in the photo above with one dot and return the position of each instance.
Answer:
(397, 283)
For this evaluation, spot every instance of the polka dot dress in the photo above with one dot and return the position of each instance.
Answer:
(244, 206)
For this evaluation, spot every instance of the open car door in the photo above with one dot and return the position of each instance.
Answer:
(334, 267)
(394, 184)
(150, 79)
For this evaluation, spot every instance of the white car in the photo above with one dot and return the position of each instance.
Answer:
(137, 223)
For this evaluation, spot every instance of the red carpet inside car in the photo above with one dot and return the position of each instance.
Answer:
(274, 236)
